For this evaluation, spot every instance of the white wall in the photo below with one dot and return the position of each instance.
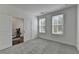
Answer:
(78, 27)
(70, 27)
(31, 27)
(27, 28)
(11, 11)
(5, 32)
(34, 27)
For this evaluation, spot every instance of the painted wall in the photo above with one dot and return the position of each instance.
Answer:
(70, 27)
(78, 27)
(5, 32)
(11, 11)
(31, 27)
(28, 28)
(34, 27)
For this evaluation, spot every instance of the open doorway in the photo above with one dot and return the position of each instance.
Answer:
(17, 30)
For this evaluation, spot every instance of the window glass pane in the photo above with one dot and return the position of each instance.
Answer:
(60, 28)
(42, 25)
(55, 19)
(43, 29)
(55, 28)
(52, 28)
(57, 24)
(60, 19)
(43, 21)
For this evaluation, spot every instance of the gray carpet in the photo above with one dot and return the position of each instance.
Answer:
(40, 46)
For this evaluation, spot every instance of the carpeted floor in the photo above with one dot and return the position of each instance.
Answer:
(40, 46)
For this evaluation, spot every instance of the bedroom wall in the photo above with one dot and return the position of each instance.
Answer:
(70, 27)
(78, 27)
(31, 27)
(34, 27)
(12, 11)
(5, 32)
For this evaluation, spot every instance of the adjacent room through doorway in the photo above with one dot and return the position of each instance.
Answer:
(17, 30)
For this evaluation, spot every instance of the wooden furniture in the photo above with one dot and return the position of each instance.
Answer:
(17, 40)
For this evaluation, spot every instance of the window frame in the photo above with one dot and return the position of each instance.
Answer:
(39, 26)
(57, 24)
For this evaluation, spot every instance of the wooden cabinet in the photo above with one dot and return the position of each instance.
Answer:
(17, 40)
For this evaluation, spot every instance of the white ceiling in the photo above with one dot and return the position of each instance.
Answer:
(36, 9)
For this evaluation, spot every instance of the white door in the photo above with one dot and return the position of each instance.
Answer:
(5, 32)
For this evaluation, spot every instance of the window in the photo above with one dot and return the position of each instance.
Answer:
(42, 25)
(57, 24)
